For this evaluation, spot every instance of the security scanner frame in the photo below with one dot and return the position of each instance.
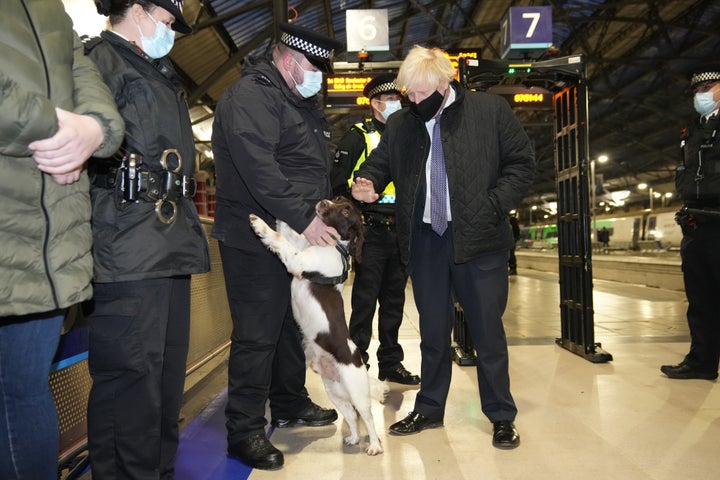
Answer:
(564, 80)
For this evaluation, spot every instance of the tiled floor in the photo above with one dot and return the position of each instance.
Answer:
(617, 420)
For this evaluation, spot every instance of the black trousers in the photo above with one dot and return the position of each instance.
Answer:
(512, 259)
(380, 279)
(700, 253)
(266, 356)
(481, 287)
(139, 333)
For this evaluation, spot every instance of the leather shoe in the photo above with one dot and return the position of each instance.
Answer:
(399, 375)
(505, 435)
(256, 451)
(414, 423)
(685, 372)
(312, 416)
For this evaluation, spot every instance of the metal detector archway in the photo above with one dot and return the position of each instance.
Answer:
(564, 80)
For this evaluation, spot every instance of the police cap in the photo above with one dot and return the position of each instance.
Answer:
(384, 83)
(108, 7)
(704, 73)
(317, 48)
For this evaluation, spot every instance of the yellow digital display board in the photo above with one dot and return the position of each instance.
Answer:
(345, 90)
(529, 98)
(347, 83)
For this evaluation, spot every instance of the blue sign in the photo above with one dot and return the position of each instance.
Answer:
(526, 32)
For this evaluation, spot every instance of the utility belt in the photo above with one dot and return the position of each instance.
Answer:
(378, 219)
(134, 182)
(692, 215)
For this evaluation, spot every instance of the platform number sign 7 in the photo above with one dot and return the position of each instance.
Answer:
(526, 29)
(534, 19)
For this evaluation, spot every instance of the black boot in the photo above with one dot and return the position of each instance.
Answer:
(256, 451)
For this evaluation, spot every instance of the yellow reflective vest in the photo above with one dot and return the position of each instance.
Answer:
(372, 139)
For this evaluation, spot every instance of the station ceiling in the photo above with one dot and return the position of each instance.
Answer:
(637, 53)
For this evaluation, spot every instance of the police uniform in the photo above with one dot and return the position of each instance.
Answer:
(272, 159)
(697, 183)
(381, 277)
(147, 242)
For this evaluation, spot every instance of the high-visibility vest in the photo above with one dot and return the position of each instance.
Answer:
(372, 139)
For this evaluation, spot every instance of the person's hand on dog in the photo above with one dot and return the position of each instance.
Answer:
(64, 154)
(363, 190)
(318, 233)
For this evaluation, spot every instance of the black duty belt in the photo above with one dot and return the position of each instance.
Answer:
(690, 216)
(378, 219)
(135, 182)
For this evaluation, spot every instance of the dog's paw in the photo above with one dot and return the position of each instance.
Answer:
(351, 440)
(379, 389)
(257, 224)
(374, 449)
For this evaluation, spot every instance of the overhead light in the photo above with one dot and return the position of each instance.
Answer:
(620, 195)
(603, 158)
(642, 186)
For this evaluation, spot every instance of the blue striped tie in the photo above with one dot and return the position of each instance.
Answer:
(438, 183)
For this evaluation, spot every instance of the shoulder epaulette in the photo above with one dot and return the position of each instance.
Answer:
(261, 79)
(368, 125)
(90, 42)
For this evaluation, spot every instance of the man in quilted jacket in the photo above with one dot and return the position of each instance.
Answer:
(460, 161)
(55, 112)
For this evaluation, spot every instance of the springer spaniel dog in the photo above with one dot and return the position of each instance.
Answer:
(319, 273)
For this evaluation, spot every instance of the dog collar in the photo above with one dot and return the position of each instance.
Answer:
(323, 280)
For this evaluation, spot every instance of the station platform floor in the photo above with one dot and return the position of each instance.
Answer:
(621, 419)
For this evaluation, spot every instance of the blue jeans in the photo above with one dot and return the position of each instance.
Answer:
(28, 418)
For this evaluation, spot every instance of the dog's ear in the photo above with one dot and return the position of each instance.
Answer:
(357, 238)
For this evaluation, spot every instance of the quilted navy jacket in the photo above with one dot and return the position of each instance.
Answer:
(490, 165)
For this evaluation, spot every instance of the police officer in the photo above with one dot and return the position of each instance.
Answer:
(148, 241)
(381, 277)
(272, 159)
(697, 182)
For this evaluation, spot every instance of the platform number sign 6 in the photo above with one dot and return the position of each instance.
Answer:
(367, 29)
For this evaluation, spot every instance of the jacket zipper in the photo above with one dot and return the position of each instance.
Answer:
(46, 239)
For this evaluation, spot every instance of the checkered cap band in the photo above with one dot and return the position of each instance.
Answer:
(304, 46)
(177, 3)
(382, 88)
(703, 77)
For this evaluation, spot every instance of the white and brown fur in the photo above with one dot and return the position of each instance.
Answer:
(319, 311)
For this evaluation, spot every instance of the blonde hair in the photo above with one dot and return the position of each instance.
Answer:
(424, 66)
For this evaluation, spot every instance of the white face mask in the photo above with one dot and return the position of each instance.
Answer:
(311, 84)
(161, 41)
(704, 103)
(391, 106)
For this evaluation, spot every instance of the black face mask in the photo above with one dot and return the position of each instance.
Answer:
(428, 107)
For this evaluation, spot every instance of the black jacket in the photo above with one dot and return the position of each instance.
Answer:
(272, 156)
(130, 242)
(697, 179)
(490, 165)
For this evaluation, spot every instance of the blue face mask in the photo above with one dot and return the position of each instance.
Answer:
(391, 106)
(160, 43)
(704, 103)
(311, 84)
